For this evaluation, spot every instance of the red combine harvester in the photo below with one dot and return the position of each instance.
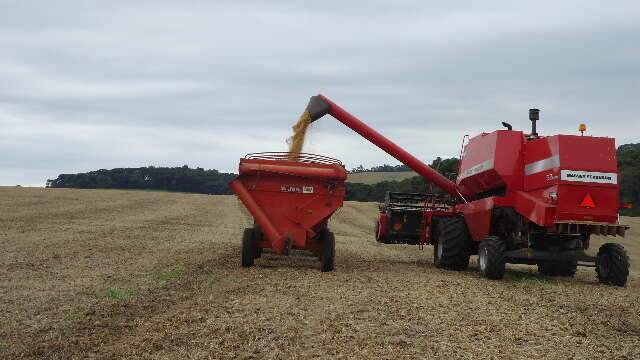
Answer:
(291, 201)
(518, 198)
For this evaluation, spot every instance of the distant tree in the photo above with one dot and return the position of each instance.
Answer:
(181, 179)
(629, 167)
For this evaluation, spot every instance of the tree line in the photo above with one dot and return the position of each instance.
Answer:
(198, 180)
(629, 167)
(181, 179)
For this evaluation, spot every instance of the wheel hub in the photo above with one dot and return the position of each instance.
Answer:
(482, 259)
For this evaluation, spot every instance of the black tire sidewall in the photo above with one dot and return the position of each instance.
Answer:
(328, 251)
(248, 247)
(493, 249)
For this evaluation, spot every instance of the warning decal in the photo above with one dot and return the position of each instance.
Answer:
(589, 176)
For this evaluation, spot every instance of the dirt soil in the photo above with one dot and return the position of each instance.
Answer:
(126, 274)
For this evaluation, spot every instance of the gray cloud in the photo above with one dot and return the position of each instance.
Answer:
(108, 84)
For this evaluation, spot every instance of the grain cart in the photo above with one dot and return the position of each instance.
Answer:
(519, 198)
(291, 199)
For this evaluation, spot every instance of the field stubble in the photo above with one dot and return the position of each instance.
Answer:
(106, 274)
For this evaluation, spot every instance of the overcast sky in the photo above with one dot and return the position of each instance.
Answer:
(86, 85)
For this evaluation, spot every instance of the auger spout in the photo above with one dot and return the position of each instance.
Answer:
(320, 105)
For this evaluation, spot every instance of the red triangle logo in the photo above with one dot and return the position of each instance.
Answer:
(588, 202)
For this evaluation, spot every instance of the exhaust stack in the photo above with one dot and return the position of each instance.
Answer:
(534, 116)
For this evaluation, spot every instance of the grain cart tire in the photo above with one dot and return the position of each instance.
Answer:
(491, 260)
(612, 264)
(258, 235)
(563, 268)
(453, 246)
(248, 247)
(328, 251)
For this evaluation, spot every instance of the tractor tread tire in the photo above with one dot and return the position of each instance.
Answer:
(328, 251)
(248, 247)
(454, 238)
(495, 260)
(615, 256)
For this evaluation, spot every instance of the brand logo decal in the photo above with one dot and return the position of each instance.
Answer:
(589, 176)
(296, 189)
(291, 188)
(483, 166)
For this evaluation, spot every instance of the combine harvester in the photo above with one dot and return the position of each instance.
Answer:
(518, 198)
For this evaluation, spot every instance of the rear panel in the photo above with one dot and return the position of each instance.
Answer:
(577, 174)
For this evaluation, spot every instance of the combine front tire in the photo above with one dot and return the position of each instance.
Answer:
(248, 247)
(491, 258)
(612, 264)
(453, 246)
(328, 251)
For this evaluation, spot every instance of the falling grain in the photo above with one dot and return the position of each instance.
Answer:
(296, 141)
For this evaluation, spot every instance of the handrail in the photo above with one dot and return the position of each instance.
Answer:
(302, 157)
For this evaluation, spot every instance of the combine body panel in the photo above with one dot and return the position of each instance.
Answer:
(564, 170)
(491, 162)
(520, 198)
(290, 201)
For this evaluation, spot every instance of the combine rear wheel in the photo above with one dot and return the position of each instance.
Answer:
(248, 247)
(612, 264)
(453, 246)
(328, 251)
(491, 258)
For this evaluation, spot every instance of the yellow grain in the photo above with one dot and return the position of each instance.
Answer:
(296, 141)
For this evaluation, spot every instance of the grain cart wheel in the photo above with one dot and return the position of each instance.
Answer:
(258, 235)
(557, 268)
(612, 264)
(248, 247)
(453, 246)
(327, 251)
(491, 258)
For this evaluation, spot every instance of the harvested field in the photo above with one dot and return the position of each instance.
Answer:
(376, 177)
(126, 274)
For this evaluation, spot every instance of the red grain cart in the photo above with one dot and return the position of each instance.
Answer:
(291, 201)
